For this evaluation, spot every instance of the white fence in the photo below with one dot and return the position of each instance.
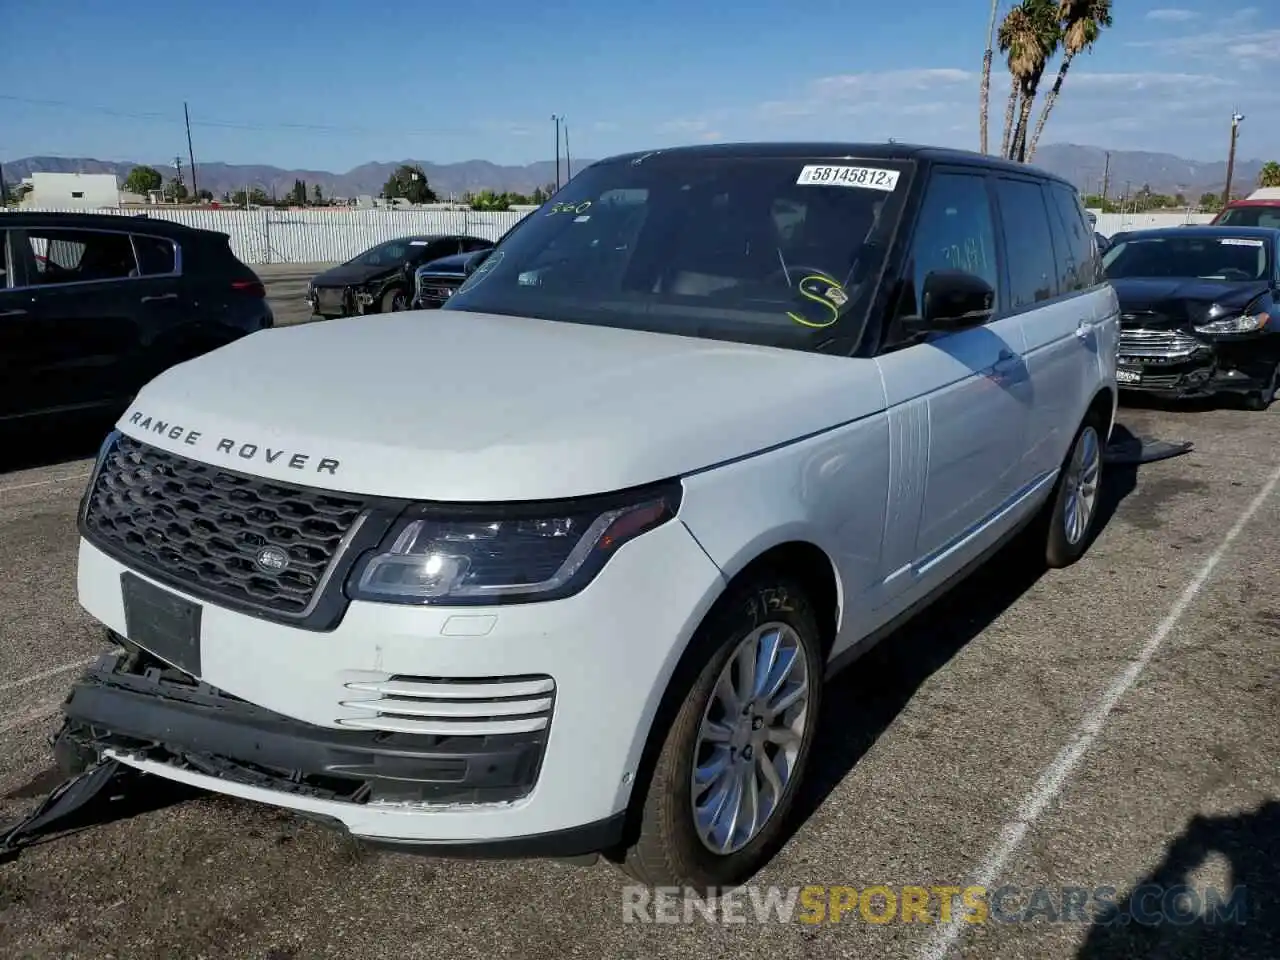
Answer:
(334, 235)
(1109, 223)
(320, 236)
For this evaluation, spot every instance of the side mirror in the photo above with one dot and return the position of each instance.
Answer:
(954, 300)
(474, 261)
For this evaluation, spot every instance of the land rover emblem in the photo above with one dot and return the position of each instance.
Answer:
(272, 559)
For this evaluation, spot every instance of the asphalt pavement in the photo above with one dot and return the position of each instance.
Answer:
(286, 283)
(1113, 725)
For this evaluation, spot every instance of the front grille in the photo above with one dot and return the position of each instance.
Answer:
(202, 527)
(1157, 343)
(475, 708)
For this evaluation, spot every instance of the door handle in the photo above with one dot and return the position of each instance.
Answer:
(1084, 330)
(160, 296)
(1005, 357)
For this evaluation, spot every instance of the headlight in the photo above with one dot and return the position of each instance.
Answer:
(1248, 323)
(515, 553)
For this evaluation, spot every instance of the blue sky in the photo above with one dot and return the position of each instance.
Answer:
(329, 84)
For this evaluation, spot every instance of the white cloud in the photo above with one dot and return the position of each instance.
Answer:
(1172, 15)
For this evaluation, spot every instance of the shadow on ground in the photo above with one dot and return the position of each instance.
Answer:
(861, 702)
(48, 444)
(1169, 917)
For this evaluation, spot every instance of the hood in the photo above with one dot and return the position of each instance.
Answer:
(1179, 302)
(350, 274)
(452, 265)
(454, 406)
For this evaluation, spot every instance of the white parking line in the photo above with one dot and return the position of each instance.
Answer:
(1055, 776)
(44, 483)
(45, 674)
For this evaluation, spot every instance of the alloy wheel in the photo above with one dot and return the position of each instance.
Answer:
(750, 738)
(1083, 473)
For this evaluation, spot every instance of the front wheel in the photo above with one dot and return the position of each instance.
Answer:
(732, 760)
(394, 300)
(1261, 399)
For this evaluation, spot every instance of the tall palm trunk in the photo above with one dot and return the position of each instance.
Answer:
(1008, 119)
(986, 76)
(1050, 99)
(1019, 151)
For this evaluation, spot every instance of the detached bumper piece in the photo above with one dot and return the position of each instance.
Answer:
(135, 705)
(67, 806)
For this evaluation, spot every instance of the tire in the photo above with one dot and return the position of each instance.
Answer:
(1065, 541)
(393, 301)
(1259, 400)
(669, 849)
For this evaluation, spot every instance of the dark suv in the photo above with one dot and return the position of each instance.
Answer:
(92, 306)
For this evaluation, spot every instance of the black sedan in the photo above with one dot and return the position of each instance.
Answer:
(380, 280)
(1199, 311)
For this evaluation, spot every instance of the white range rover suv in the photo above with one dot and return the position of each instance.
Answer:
(560, 569)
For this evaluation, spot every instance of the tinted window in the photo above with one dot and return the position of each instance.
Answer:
(155, 255)
(384, 254)
(1073, 237)
(70, 256)
(1208, 258)
(955, 231)
(4, 259)
(1033, 269)
(1251, 217)
(731, 248)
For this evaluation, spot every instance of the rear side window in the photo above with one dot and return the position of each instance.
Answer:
(155, 255)
(1033, 268)
(4, 259)
(1078, 236)
(79, 256)
(955, 231)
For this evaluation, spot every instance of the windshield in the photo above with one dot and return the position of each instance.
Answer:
(1250, 217)
(1206, 258)
(781, 252)
(387, 254)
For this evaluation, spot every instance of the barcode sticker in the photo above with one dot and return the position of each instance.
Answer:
(868, 178)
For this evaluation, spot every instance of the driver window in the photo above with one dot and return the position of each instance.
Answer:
(954, 231)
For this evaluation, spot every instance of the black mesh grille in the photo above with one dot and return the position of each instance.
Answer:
(205, 527)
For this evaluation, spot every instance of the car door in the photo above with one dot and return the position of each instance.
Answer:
(958, 401)
(167, 313)
(20, 345)
(83, 301)
(1051, 271)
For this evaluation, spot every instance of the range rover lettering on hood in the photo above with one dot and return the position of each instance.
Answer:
(234, 447)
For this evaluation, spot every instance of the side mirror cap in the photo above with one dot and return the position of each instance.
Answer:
(954, 300)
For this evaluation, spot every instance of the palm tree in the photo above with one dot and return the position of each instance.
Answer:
(1012, 41)
(1039, 44)
(1081, 22)
(986, 76)
(1269, 176)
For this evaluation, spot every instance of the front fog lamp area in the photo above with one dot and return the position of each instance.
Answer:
(451, 559)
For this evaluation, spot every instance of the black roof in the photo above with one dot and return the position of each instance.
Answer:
(1204, 230)
(841, 151)
(18, 220)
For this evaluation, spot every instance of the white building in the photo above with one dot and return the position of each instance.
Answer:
(72, 191)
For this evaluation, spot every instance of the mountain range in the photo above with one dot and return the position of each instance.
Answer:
(1084, 166)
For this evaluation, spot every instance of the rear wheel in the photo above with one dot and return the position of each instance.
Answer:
(730, 764)
(1073, 510)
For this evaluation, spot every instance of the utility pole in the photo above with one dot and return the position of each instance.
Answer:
(568, 164)
(1106, 179)
(177, 165)
(1231, 155)
(556, 119)
(190, 152)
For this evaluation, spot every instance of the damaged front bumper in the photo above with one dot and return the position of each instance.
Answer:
(134, 708)
(1185, 369)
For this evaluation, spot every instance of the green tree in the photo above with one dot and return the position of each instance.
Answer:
(539, 196)
(1080, 23)
(1210, 202)
(410, 183)
(176, 190)
(316, 196)
(205, 195)
(1269, 176)
(1030, 36)
(142, 180)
